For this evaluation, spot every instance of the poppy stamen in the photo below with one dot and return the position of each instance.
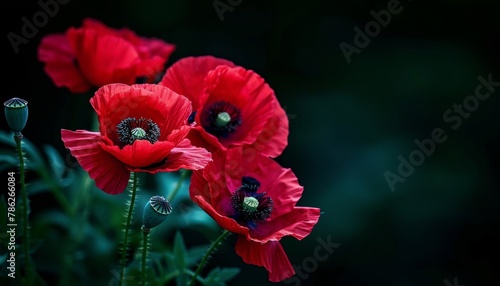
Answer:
(221, 119)
(249, 206)
(132, 129)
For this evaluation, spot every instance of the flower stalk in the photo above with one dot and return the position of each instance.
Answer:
(16, 113)
(145, 244)
(26, 234)
(155, 212)
(128, 216)
(209, 252)
(183, 175)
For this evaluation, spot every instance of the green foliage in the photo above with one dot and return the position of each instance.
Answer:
(70, 215)
(219, 276)
(178, 258)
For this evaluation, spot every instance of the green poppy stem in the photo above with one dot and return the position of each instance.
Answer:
(127, 227)
(184, 174)
(26, 240)
(145, 238)
(209, 252)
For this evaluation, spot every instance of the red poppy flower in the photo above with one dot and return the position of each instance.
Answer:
(142, 128)
(256, 199)
(94, 55)
(232, 106)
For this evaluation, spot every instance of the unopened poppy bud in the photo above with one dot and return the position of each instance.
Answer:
(155, 212)
(16, 113)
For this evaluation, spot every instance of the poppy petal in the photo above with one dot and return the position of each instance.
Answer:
(101, 28)
(110, 175)
(151, 47)
(178, 135)
(198, 186)
(279, 183)
(187, 74)
(224, 221)
(284, 189)
(210, 182)
(176, 107)
(271, 255)
(245, 90)
(197, 135)
(152, 51)
(273, 138)
(150, 69)
(297, 223)
(103, 59)
(59, 59)
(207, 140)
(141, 153)
(186, 156)
(115, 102)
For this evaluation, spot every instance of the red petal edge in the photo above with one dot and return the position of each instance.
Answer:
(271, 255)
(182, 156)
(110, 175)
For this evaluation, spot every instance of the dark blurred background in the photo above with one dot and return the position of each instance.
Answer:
(349, 122)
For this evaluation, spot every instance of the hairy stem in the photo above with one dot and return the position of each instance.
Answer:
(184, 174)
(210, 250)
(26, 247)
(127, 227)
(144, 255)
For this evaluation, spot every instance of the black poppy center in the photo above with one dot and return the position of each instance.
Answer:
(249, 206)
(221, 119)
(131, 129)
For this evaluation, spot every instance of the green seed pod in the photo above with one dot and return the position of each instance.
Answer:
(222, 119)
(155, 212)
(16, 113)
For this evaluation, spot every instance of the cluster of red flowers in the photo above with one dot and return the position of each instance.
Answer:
(204, 114)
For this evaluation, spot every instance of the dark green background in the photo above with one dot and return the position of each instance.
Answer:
(348, 122)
